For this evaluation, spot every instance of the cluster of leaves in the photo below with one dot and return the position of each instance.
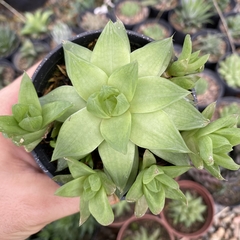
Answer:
(8, 41)
(233, 23)
(232, 108)
(229, 69)
(36, 23)
(130, 8)
(143, 234)
(192, 16)
(187, 214)
(209, 44)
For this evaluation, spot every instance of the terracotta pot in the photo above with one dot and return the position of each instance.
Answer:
(207, 199)
(148, 221)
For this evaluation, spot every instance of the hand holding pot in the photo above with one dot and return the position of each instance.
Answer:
(27, 200)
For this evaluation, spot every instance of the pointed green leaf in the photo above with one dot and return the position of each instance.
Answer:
(136, 190)
(154, 200)
(175, 171)
(209, 110)
(174, 158)
(185, 116)
(78, 169)
(77, 50)
(63, 178)
(28, 138)
(224, 122)
(231, 134)
(95, 182)
(148, 159)
(85, 77)
(53, 110)
(225, 161)
(125, 79)
(118, 166)
(9, 125)
(65, 93)
(160, 93)
(73, 188)
(108, 185)
(98, 205)
(84, 211)
(116, 131)
(176, 194)
(111, 50)
(141, 207)
(151, 173)
(82, 130)
(31, 124)
(27, 87)
(168, 181)
(214, 170)
(156, 131)
(206, 149)
(154, 57)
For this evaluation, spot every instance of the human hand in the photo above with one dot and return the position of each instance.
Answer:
(27, 200)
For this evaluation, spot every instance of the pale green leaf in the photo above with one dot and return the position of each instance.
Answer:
(111, 50)
(154, 93)
(156, 131)
(118, 166)
(63, 178)
(136, 190)
(53, 110)
(153, 58)
(185, 116)
(116, 131)
(77, 50)
(30, 137)
(205, 145)
(108, 185)
(65, 93)
(175, 171)
(71, 189)
(148, 159)
(154, 200)
(168, 181)
(27, 87)
(176, 194)
(95, 182)
(78, 169)
(214, 170)
(231, 134)
(125, 79)
(225, 161)
(29, 147)
(84, 211)
(101, 209)
(85, 77)
(141, 207)
(31, 124)
(82, 130)
(150, 173)
(174, 158)
(209, 110)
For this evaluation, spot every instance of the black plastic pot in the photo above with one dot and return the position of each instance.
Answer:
(130, 22)
(42, 153)
(162, 24)
(214, 92)
(26, 5)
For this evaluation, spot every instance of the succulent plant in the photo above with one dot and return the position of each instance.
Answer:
(91, 21)
(60, 32)
(143, 234)
(210, 43)
(189, 213)
(8, 41)
(121, 207)
(222, 4)
(153, 30)
(191, 15)
(130, 109)
(233, 23)
(130, 8)
(229, 70)
(36, 23)
(230, 109)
